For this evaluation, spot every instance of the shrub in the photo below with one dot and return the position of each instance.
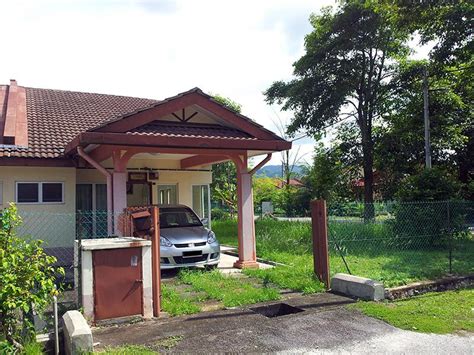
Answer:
(26, 280)
(218, 214)
(425, 217)
(428, 185)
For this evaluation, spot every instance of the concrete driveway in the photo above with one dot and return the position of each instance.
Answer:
(325, 325)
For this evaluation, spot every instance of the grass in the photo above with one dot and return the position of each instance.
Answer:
(175, 304)
(364, 247)
(437, 312)
(231, 291)
(162, 344)
(128, 349)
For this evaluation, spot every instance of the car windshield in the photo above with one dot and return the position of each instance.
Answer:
(178, 217)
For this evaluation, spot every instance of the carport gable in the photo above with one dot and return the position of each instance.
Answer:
(189, 120)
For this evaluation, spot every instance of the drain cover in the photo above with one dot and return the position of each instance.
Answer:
(276, 310)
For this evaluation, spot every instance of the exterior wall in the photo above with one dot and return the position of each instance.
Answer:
(53, 222)
(56, 223)
(182, 178)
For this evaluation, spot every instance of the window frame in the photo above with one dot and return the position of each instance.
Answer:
(208, 201)
(40, 193)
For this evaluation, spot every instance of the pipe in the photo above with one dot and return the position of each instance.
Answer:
(262, 163)
(108, 175)
(56, 326)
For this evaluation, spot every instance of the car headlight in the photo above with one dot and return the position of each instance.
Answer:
(211, 237)
(165, 242)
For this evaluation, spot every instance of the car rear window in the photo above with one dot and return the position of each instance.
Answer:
(178, 217)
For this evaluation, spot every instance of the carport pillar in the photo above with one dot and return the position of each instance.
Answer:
(119, 183)
(119, 197)
(245, 219)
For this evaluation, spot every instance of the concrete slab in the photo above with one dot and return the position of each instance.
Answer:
(356, 286)
(226, 263)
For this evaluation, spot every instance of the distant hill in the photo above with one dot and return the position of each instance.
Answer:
(275, 170)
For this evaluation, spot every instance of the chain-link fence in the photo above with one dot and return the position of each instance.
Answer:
(60, 231)
(400, 242)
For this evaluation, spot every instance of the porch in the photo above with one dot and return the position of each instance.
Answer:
(163, 155)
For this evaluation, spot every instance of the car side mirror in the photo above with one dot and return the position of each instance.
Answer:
(204, 221)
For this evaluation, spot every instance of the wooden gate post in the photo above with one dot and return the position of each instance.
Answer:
(320, 241)
(156, 272)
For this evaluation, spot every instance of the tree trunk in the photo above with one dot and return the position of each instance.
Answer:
(368, 157)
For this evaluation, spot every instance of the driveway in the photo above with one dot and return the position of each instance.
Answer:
(325, 325)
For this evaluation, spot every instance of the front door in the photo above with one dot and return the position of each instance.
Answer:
(118, 290)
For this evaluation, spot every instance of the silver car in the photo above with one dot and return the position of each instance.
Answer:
(184, 241)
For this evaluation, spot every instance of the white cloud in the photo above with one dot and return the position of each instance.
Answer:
(156, 49)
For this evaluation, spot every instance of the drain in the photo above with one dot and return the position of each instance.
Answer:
(276, 310)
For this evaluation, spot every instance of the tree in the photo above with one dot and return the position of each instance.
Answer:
(289, 161)
(27, 279)
(229, 103)
(326, 178)
(265, 189)
(449, 24)
(399, 149)
(224, 176)
(345, 73)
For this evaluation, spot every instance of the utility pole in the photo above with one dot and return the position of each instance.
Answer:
(426, 113)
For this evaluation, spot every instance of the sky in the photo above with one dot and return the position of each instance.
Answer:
(158, 48)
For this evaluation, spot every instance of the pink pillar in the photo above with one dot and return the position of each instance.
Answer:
(246, 222)
(119, 186)
(119, 197)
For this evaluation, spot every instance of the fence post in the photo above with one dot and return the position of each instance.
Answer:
(320, 241)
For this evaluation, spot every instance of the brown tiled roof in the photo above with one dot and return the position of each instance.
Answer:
(55, 117)
(180, 129)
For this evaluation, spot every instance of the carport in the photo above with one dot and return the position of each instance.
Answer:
(192, 129)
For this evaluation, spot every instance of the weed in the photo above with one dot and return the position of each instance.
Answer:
(231, 291)
(169, 342)
(128, 349)
(175, 304)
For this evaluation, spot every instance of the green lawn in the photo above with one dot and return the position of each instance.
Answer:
(437, 312)
(364, 247)
(193, 290)
(230, 290)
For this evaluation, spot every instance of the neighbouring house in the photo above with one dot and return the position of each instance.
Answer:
(281, 183)
(73, 161)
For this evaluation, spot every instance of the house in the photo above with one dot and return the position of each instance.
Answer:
(281, 183)
(73, 161)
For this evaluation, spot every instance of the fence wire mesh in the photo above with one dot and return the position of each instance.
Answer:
(393, 242)
(400, 242)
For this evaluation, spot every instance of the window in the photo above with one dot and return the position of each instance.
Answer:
(201, 200)
(27, 192)
(178, 217)
(167, 194)
(39, 192)
(52, 192)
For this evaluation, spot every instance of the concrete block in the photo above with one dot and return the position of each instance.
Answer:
(359, 287)
(77, 334)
